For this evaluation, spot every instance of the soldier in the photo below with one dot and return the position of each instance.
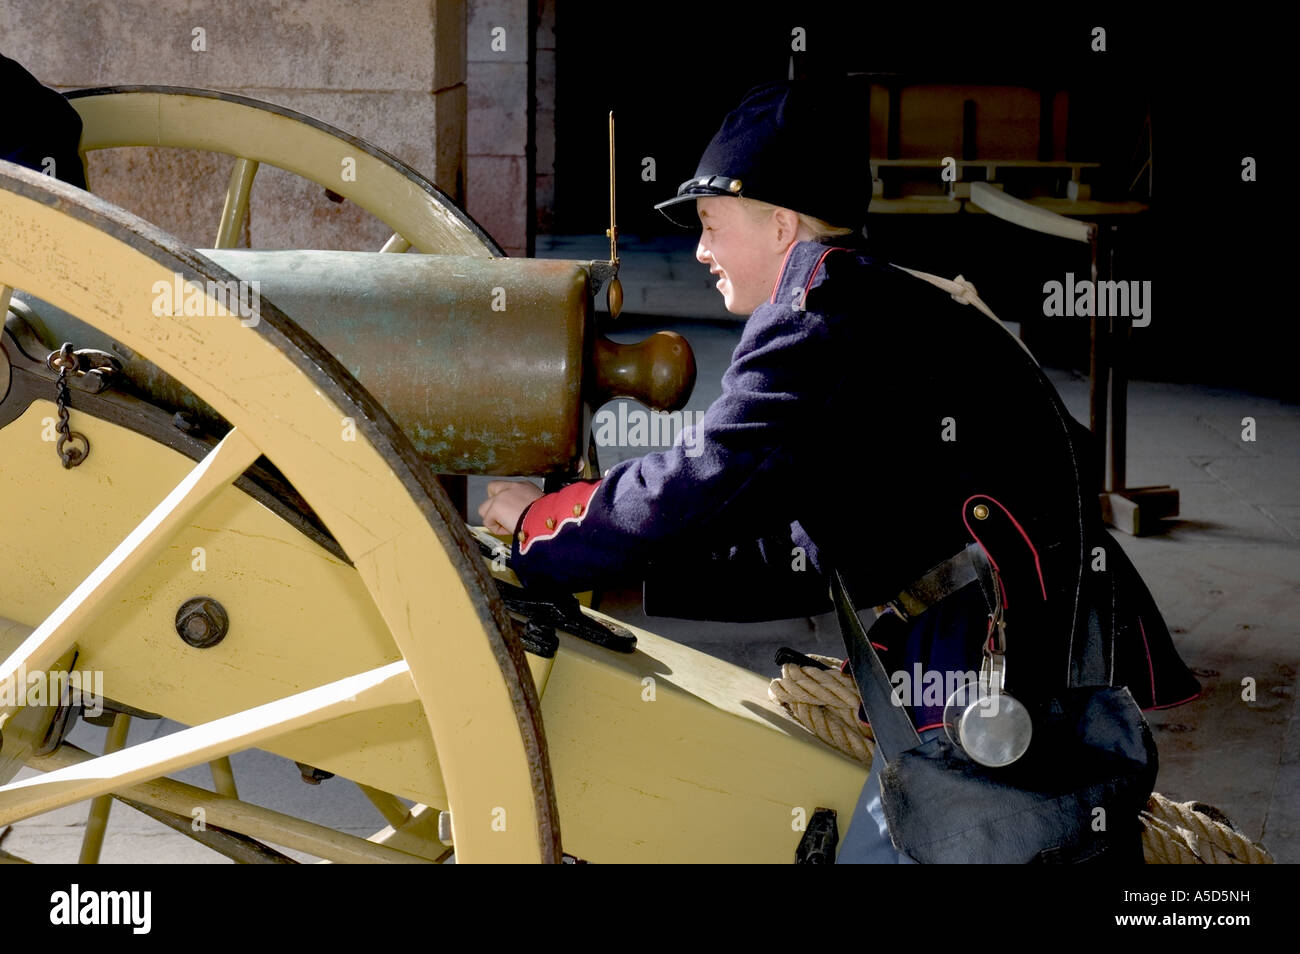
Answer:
(842, 350)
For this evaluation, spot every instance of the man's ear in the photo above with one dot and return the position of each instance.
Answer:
(787, 225)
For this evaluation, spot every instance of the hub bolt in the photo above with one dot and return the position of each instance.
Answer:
(202, 622)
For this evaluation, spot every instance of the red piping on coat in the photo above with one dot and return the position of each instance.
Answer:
(1150, 667)
(818, 267)
(1170, 705)
(781, 274)
(1014, 522)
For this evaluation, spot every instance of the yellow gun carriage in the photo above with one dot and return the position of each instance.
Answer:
(256, 546)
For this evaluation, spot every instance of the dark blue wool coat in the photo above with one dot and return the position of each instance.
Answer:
(862, 407)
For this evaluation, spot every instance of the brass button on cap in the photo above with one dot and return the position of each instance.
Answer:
(981, 512)
(550, 523)
(577, 510)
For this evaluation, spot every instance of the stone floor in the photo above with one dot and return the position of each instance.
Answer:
(1226, 575)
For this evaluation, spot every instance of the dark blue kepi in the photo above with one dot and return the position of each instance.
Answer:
(799, 144)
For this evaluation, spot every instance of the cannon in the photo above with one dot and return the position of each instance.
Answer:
(221, 503)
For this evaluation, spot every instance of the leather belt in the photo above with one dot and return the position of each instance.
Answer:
(966, 567)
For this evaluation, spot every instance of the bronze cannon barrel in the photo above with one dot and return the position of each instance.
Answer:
(490, 366)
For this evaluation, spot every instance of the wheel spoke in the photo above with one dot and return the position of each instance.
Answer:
(389, 805)
(387, 685)
(396, 243)
(418, 834)
(225, 462)
(253, 820)
(235, 208)
(237, 847)
(97, 822)
(223, 777)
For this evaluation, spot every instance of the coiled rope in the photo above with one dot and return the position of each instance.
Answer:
(825, 702)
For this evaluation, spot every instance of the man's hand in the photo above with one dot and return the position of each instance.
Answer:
(507, 499)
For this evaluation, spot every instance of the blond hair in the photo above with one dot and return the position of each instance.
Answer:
(810, 227)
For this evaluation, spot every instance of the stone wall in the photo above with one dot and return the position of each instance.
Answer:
(511, 166)
(544, 113)
(389, 71)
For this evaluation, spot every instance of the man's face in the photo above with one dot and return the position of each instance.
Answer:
(741, 248)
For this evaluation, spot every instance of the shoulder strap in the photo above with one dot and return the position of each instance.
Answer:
(963, 291)
(890, 724)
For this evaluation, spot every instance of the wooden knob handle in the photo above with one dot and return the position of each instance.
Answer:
(659, 371)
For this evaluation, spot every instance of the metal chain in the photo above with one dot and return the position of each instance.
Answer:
(64, 361)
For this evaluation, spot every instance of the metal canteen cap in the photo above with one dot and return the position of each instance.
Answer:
(992, 727)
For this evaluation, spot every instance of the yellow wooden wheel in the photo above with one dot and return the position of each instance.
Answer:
(421, 215)
(377, 650)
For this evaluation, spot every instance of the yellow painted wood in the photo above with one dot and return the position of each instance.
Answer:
(433, 602)
(493, 803)
(223, 777)
(92, 842)
(26, 729)
(234, 815)
(56, 632)
(672, 755)
(300, 617)
(417, 835)
(180, 750)
(394, 812)
(235, 208)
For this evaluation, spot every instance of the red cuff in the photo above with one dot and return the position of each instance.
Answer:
(549, 514)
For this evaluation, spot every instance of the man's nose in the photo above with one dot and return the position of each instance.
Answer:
(701, 253)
